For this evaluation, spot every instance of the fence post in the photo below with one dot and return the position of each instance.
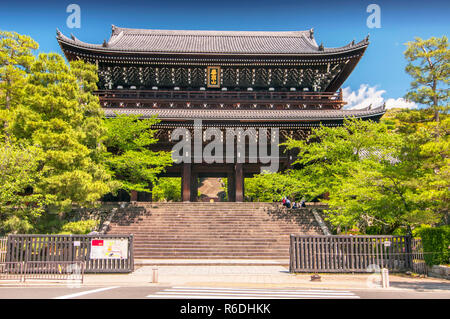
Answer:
(8, 249)
(291, 253)
(385, 277)
(24, 270)
(408, 251)
(132, 253)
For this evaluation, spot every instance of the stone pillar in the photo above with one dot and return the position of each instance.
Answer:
(186, 180)
(239, 170)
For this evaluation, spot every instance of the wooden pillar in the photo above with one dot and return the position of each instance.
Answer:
(194, 186)
(145, 196)
(186, 180)
(239, 173)
(134, 196)
(231, 187)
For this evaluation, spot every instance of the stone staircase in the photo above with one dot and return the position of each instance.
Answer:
(222, 230)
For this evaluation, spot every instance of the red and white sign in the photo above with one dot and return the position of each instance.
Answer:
(109, 249)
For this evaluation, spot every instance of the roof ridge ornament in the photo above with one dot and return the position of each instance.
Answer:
(311, 33)
(321, 48)
(73, 37)
(105, 44)
(58, 33)
(114, 29)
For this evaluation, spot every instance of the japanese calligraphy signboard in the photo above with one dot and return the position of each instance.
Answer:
(213, 76)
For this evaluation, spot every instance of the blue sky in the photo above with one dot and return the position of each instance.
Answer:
(336, 23)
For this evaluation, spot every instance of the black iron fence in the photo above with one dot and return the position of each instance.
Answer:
(98, 253)
(347, 254)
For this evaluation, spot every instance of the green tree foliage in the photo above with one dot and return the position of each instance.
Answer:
(167, 189)
(19, 170)
(81, 227)
(377, 181)
(429, 66)
(58, 112)
(436, 244)
(52, 136)
(427, 144)
(272, 187)
(129, 155)
(16, 59)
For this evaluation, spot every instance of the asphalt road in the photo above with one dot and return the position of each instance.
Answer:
(117, 292)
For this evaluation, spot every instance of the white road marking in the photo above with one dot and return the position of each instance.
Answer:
(270, 292)
(259, 289)
(233, 293)
(85, 293)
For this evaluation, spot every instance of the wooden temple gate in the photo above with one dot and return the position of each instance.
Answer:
(227, 79)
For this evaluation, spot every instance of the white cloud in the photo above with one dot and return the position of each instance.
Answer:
(371, 96)
(400, 103)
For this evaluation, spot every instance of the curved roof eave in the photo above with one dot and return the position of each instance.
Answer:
(104, 49)
(249, 115)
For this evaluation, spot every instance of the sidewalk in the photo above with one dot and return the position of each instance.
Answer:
(275, 276)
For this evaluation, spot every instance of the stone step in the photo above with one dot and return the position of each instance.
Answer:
(241, 234)
(231, 236)
(207, 228)
(212, 230)
(211, 239)
(188, 259)
(214, 255)
(209, 245)
(211, 262)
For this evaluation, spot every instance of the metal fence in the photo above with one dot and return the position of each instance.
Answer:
(42, 270)
(418, 264)
(355, 254)
(69, 248)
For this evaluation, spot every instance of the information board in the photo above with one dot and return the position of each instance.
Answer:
(109, 249)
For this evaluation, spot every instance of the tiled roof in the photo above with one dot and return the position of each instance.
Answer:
(245, 115)
(210, 42)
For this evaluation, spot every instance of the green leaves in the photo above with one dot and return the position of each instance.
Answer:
(167, 189)
(387, 176)
(52, 139)
(19, 171)
(50, 105)
(429, 66)
(130, 157)
(272, 187)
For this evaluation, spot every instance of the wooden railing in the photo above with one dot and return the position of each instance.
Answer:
(172, 98)
(354, 254)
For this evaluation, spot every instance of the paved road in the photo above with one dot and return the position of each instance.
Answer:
(182, 292)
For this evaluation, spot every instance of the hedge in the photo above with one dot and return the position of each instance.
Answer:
(436, 245)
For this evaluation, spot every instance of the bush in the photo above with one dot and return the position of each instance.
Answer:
(436, 244)
(168, 188)
(81, 227)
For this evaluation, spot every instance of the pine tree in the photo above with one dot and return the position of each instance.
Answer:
(59, 113)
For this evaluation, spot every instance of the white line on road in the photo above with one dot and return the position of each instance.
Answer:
(233, 293)
(85, 293)
(259, 289)
(270, 292)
